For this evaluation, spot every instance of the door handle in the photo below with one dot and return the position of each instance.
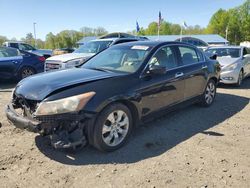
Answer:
(15, 62)
(204, 67)
(179, 74)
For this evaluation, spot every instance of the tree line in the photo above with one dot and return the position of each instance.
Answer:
(233, 24)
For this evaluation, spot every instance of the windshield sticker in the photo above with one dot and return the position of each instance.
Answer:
(139, 47)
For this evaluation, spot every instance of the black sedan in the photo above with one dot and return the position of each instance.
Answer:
(104, 100)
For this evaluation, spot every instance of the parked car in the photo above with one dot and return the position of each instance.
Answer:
(84, 52)
(235, 62)
(18, 64)
(103, 101)
(63, 51)
(26, 47)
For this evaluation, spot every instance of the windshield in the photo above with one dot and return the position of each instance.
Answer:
(93, 47)
(120, 58)
(222, 52)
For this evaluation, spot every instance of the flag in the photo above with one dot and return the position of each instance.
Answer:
(185, 25)
(137, 27)
(160, 19)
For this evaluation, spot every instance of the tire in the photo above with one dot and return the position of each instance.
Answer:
(26, 72)
(112, 128)
(240, 79)
(209, 94)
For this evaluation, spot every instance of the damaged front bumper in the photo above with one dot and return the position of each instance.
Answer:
(20, 121)
(65, 130)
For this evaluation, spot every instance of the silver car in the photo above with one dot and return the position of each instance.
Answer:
(235, 63)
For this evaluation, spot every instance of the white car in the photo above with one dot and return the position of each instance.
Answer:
(235, 63)
(80, 55)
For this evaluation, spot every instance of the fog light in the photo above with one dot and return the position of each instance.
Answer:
(227, 78)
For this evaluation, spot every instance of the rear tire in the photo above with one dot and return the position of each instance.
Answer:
(26, 72)
(112, 128)
(209, 94)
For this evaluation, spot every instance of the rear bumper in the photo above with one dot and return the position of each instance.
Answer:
(20, 121)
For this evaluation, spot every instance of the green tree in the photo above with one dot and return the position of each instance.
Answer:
(152, 29)
(218, 23)
(2, 39)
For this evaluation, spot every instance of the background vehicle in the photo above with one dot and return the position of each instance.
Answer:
(18, 64)
(105, 99)
(235, 62)
(62, 51)
(26, 47)
(84, 52)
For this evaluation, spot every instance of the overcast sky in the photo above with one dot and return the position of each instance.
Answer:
(17, 16)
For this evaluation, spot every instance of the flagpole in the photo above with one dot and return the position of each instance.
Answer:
(158, 33)
(181, 34)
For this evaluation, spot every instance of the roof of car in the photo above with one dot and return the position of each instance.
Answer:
(16, 42)
(216, 47)
(152, 43)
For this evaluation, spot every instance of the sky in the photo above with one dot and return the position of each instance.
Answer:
(17, 16)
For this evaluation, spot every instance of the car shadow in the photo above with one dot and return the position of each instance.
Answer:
(156, 137)
(7, 85)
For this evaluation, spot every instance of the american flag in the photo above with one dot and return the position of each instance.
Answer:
(160, 19)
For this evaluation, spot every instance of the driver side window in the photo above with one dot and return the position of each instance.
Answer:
(164, 58)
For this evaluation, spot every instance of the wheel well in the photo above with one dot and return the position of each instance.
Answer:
(132, 108)
(214, 79)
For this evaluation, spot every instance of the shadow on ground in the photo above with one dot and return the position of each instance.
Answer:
(7, 85)
(156, 137)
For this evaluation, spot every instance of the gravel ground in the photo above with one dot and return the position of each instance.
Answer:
(192, 147)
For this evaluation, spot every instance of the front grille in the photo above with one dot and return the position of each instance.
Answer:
(52, 65)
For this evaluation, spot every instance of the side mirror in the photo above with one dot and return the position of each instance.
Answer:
(211, 56)
(157, 69)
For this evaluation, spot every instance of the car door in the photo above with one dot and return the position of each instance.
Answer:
(194, 70)
(161, 90)
(9, 62)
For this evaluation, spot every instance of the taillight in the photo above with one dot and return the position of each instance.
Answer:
(41, 58)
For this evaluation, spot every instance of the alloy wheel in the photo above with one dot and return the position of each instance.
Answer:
(115, 128)
(210, 93)
(27, 72)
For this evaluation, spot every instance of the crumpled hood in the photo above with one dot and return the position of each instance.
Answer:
(71, 56)
(224, 61)
(39, 86)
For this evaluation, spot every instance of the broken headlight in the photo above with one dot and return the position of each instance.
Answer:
(69, 104)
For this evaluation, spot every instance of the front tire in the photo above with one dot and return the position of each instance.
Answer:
(240, 79)
(112, 128)
(208, 96)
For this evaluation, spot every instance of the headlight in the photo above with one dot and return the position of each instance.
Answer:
(69, 104)
(74, 63)
(230, 67)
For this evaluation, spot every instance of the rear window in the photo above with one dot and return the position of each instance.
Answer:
(188, 55)
(8, 52)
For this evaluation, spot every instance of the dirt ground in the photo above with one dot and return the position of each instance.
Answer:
(192, 147)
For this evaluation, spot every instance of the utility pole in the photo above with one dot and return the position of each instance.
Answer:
(34, 25)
